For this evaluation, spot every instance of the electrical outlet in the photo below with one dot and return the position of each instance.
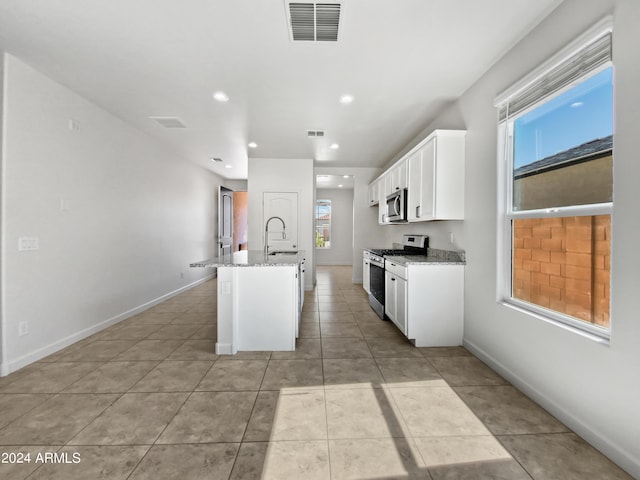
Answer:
(28, 243)
(23, 328)
(74, 125)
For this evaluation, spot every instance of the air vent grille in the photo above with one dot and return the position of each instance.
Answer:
(315, 133)
(169, 122)
(318, 22)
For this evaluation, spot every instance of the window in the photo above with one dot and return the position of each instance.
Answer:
(556, 144)
(323, 223)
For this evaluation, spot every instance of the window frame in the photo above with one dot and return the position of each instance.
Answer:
(506, 213)
(330, 222)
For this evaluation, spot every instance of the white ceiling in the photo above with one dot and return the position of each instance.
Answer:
(403, 60)
(345, 182)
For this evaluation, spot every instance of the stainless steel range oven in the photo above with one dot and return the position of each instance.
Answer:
(412, 245)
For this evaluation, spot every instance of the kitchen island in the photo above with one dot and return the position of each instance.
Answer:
(259, 300)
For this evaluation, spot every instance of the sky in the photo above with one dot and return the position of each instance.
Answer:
(577, 116)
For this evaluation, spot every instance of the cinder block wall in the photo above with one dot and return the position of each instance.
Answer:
(563, 264)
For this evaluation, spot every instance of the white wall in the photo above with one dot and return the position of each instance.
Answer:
(592, 387)
(135, 217)
(341, 249)
(282, 175)
(366, 231)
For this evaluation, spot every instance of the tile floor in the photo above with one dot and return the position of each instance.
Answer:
(148, 399)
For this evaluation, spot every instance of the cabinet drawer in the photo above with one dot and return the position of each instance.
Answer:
(396, 269)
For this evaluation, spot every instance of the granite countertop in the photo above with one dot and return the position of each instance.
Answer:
(252, 258)
(434, 255)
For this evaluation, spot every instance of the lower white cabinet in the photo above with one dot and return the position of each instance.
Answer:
(428, 306)
(366, 279)
(395, 306)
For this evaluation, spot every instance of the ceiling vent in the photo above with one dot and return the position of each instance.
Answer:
(315, 133)
(313, 22)
(169, 122)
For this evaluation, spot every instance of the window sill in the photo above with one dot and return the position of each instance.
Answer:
(559, 320)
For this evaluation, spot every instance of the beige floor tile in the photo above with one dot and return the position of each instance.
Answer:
(340, 317)
(50, 377)
(174, 332)
(469, 458)
(236, 375)
(187, 462)
(262, 417)
(300, 415)
(506, 411)
(152, 318)
(392, 347)
(305, 348)
(193, 318)
(112, 377)
(206, 332)
(379, 329)
(332, 307)
(351, 373)
(135, 418)
(250, 461)
(336, 329)
(362, 413)
(436, 411)
(359, 305)
(409, 372)
(129, 332)
(302, 460)
(334, 347)
(293, 373)
(562, 455)
(14, 405)
(382, 458)
(55, 421)
(99, 351)
(465, 371)
(309, 330)
(444, 352)
(95, 462)
(195, 350)
(150, 350)
(210, 417)
(173, 376)
(203, 308)
(309, 317)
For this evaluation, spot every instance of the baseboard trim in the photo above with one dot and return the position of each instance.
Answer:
(9, 367)
(618, 455)
(224, 348)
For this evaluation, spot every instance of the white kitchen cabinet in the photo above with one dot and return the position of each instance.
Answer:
(384, 190)
(435, 304)
(372, 193)
(366, 279)
(436, 177)
(395, 299)
(398, 176)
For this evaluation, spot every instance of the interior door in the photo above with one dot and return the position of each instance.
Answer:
(283, 234)
(225, 221)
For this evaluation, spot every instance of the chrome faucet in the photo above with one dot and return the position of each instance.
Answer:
(266, 233)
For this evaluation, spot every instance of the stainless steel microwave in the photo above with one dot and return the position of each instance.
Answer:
(397, 206)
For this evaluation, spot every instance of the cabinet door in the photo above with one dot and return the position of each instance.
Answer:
(390, 295)
(373, 196)
(401, 304)
(285, 206)
(384, 189)
(366, 281)
(415, 187)
(426, 208)
(399, 176)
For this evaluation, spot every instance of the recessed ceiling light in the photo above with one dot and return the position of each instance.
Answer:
(345, 176)
(228, 166)
(221, 97)
(346, 98)
(340, 186)
(253, 144)
(334, 146)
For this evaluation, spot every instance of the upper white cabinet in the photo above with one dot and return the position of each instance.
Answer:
(373, 195)
(436, 172)
(398, 176)
(433, 173)
(384, 190)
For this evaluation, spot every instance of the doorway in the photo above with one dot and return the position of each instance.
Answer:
(334, 219)
(232, 221)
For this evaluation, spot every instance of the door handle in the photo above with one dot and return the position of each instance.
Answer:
(418, 211)
(393, 279)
